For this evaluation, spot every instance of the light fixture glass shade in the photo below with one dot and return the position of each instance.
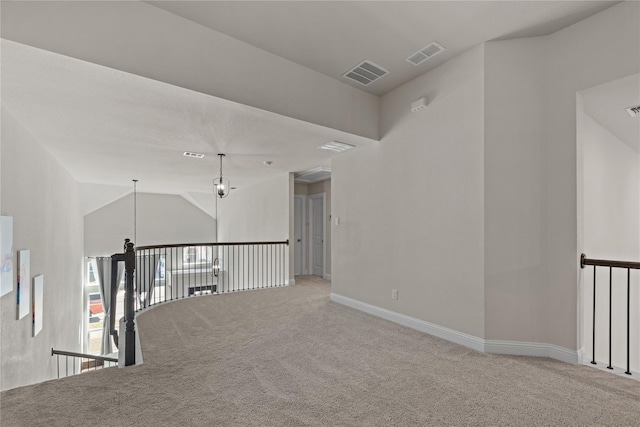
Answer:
(221, 187)
(216, 267)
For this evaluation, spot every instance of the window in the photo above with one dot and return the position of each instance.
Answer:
(196, 255)
(95, 314)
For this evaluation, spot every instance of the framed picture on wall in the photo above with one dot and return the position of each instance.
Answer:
(24, 283)
(38, 303)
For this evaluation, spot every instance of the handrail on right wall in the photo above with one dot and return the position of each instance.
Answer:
(628, 265)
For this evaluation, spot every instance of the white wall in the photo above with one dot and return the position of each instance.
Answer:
(43, 200)
(161, 219)
(256, 213)
(260, 213)
(514, 193)
(615, 34)
(470, 207)
(411, 209)
(532, 190)
(611, 227)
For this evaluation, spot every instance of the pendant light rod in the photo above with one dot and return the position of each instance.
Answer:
(221, 156)
(135, 211)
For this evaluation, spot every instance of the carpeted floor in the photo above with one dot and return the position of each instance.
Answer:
(290, 357)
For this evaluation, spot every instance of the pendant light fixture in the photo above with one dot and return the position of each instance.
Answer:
(221, 185)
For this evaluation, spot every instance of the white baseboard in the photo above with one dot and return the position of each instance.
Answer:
(291, 282)
(461, 338)
(326, 276)
(514, 348)
(519, 348)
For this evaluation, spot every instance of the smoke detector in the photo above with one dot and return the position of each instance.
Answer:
(365, 73)
(418, 105)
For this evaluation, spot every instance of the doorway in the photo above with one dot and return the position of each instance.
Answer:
(317, 234)
(299, 208)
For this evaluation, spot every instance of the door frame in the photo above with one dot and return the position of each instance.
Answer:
(303, 238)
(311, 198)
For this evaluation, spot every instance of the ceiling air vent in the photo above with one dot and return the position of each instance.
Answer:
(633, 111)
(190, 154)
(313, 175)
(365, 73)
(426, 53)
(336, 146)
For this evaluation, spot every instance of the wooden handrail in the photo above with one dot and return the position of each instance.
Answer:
(584, 261)
(182, 245)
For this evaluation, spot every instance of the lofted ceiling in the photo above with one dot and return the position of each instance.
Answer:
(108, 126)
(331, 37)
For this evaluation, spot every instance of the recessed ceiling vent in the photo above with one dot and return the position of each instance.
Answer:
(426, 53)
(195, 155)
(336, 146)
(365, 73)
(313, 175)
(633, 111)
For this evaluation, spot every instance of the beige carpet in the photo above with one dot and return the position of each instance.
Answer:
(289, 357)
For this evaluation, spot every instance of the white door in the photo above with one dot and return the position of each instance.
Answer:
(317, 234)
(298, 244)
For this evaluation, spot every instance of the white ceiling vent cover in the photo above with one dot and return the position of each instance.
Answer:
(313, 175)
(633, 111)
(365, 73)
(191, 154)
(336, 146)
(426, 53)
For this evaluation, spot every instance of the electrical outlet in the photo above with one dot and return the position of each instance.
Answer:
(394, 294)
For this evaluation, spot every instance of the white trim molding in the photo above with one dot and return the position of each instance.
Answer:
(518, 348)
(513, 348)
(461, 338)
(326, 276)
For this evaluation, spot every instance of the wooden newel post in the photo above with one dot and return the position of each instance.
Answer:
(129, 312)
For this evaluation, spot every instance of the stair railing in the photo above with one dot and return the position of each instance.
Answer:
(170, 272)
(80, 363)
(129, 259)
(162, 273)
(628, 265)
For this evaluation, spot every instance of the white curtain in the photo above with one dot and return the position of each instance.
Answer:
(103, 273)
(147, 269)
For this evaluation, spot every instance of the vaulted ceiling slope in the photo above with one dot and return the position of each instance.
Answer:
(108, 127)
(333, 36)
(118, 90)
